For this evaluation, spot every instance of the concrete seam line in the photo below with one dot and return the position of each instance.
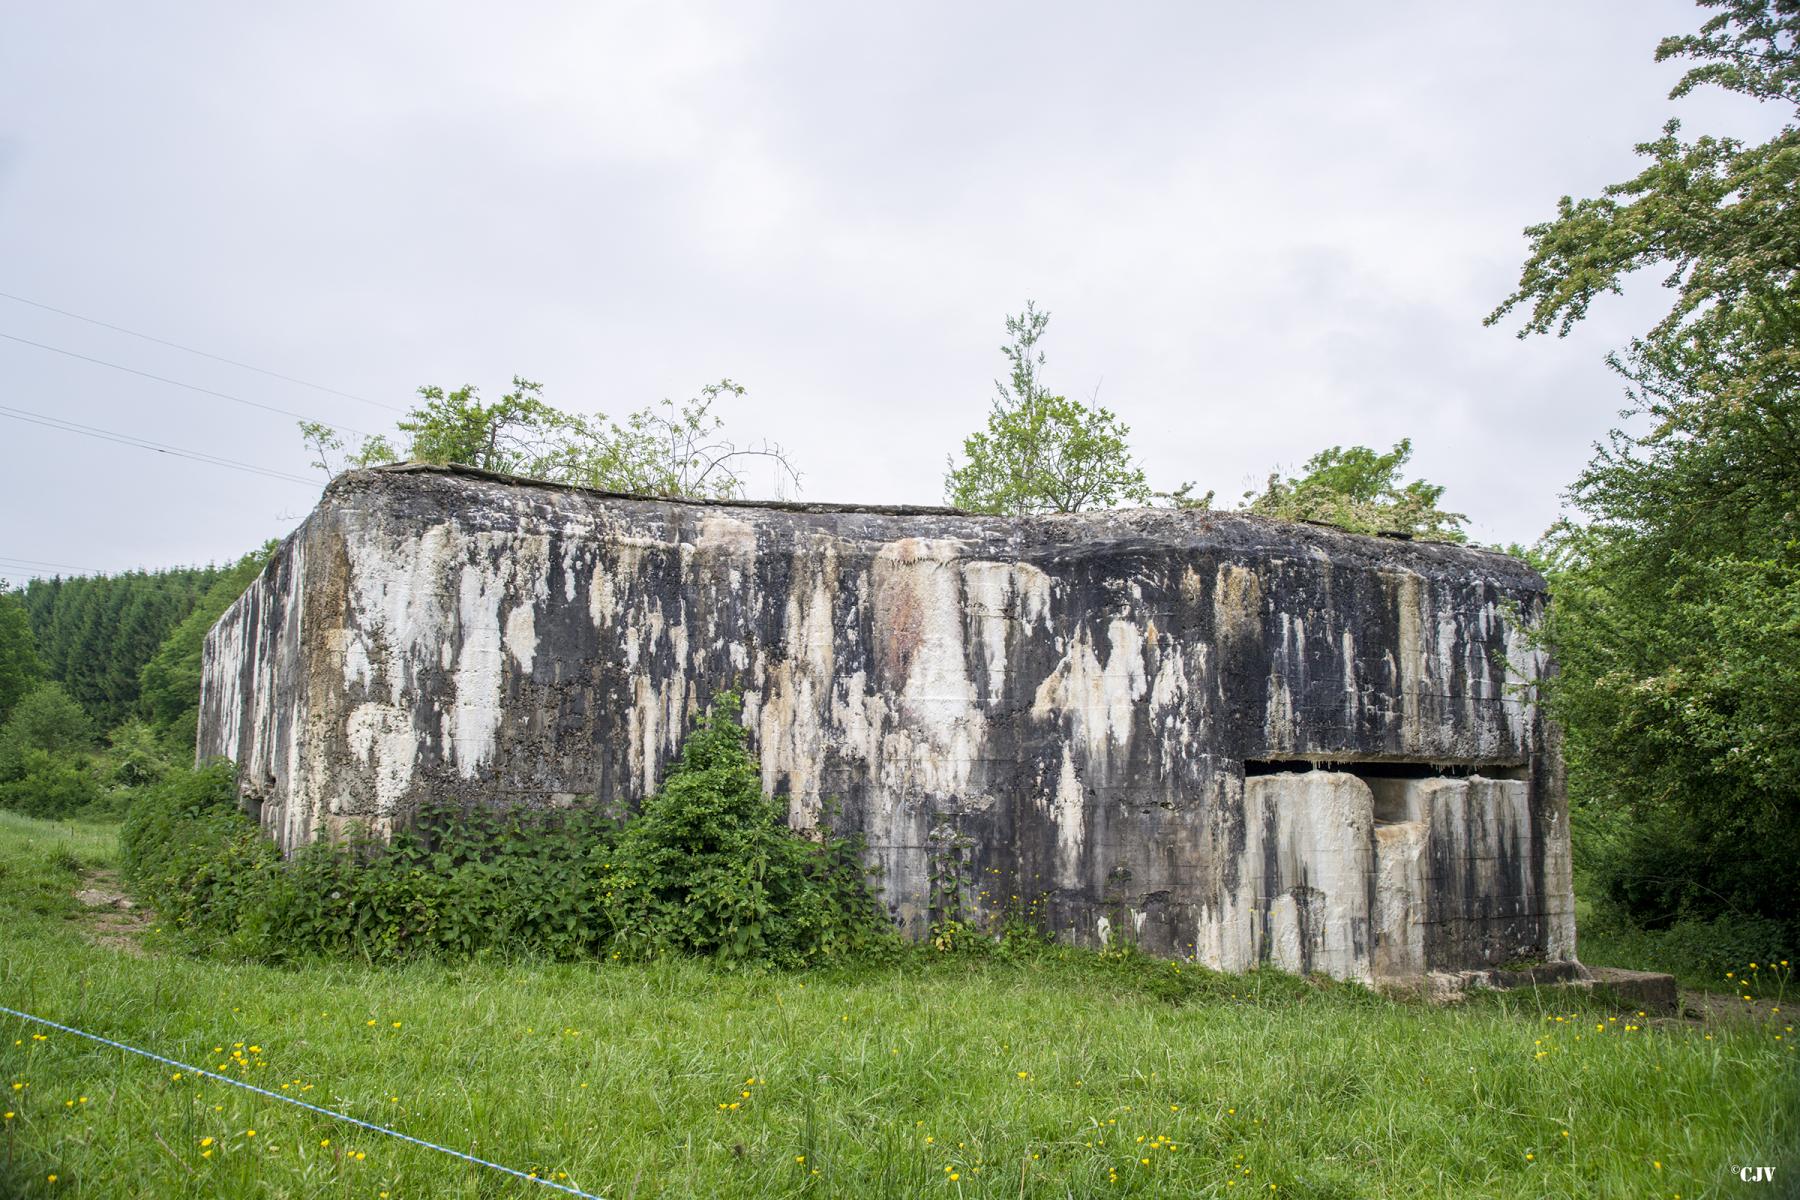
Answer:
(336, 1116)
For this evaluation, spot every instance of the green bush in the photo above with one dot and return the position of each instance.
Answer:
(46, 719)
(134, 757)
(187, 848)
(709, 868)
(49, 785)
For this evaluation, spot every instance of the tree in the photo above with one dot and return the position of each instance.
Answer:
(47, 719)
(1361, 491)
(670, 450)
(20, 669)
(1042, 452)
(661, 450)
(1677, 613)
(93, 633)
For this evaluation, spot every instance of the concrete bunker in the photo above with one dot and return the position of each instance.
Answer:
(1225, 737)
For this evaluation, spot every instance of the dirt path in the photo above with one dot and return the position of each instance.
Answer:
(109, 917)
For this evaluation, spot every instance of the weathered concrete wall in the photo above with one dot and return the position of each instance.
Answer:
(1060, 706)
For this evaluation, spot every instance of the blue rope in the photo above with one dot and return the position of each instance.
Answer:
(324, 1112)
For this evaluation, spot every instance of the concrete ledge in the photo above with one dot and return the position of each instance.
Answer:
(1647, 990)
(1651, 991)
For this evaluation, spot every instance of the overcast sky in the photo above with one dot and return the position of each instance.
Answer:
(1261, 230)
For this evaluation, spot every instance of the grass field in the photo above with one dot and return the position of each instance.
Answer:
(1065, 1076)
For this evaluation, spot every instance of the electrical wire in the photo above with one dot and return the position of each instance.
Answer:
(230, 362)
(125, 439)
(192, 387)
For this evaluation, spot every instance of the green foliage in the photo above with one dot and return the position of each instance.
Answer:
(1700, 953)
(49, 720)
(518, 434)
(95, 632)
(661, 450)
(1677, 691)
(135, 757)
(674, 450)
(1042, 452)
(709, 868)
(1677, 613)
(40, 783)
(187, 848)
(461, 884)
(1360, 490)
(1717, 213)
(169, 683)
(20, 669)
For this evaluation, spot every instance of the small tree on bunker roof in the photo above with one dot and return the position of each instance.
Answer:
(1360, 490)
(659, 450)
(1042, 452)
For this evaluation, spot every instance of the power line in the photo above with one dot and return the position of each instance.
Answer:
(192, 387)
(230, 362)
(125, 439)
(22, 568)
(38, 562)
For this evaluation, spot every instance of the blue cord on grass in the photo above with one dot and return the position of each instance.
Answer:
(325, 1112)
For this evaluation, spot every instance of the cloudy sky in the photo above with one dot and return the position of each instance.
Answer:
(1258, 235)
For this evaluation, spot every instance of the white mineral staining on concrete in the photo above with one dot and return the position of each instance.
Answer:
(1068, 812)
(1398, 950)
(1099, 700)
(399, 588)
(794, 717)
(1323, 849)
(1559, 890)
(383, 740)
(1409, 653)
(733, 540)
(919, 650)
(479, 670)
(1179, 725)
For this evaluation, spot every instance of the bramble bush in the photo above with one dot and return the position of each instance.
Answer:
(708, 868)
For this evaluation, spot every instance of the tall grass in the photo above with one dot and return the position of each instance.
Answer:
(1060, 1076)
